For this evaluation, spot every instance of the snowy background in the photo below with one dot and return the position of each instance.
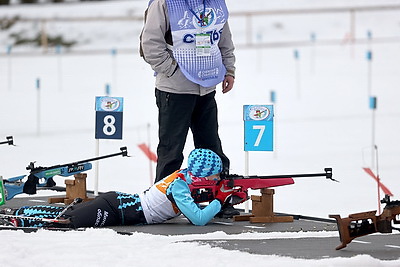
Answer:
(322, 114)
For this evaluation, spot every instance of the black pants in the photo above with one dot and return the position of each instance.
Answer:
(176, 114)
(111, 208)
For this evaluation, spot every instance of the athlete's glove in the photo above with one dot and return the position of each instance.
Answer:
(238, 197)
(223, 193)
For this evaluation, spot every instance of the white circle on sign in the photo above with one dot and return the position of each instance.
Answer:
(109, 104)
(259, 113)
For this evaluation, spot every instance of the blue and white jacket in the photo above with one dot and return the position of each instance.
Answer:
(194, 75)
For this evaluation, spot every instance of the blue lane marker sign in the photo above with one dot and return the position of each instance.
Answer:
(372, 102)
(258, 127)
(109, 117)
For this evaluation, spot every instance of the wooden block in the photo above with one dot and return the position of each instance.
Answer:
(271, 219)
(68, 191)
(74, 189)
(79, 190)
(56, 199)
(67, 201)
(256, 198)
(263, 219)
(260, 209)
(80, 175)
(267, 191)
(69, 182)
(240, 218)
(264, 207)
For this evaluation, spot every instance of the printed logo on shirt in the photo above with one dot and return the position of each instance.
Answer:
(214, 36)
(208, 74)
(200, 21)
(204, 20)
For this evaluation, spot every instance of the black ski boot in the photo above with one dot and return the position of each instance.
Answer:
(227, 212)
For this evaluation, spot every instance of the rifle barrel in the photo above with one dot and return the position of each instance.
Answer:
(124, 153)
(327, 174)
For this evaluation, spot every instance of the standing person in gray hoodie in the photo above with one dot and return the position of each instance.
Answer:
(189, 45)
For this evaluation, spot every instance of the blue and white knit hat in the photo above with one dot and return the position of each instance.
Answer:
(204, 162)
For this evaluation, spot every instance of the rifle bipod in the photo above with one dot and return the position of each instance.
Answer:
(365, 223)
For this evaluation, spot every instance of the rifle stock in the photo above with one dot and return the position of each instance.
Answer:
(205, 190)
(365, 223)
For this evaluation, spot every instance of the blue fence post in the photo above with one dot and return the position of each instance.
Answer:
(108, 89)
(114, 53)
(296, 56)
(9, 66)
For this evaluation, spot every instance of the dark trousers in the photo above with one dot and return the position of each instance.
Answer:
(108, 209)
(177, 113)
(111, 208)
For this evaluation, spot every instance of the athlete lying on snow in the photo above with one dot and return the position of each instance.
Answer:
(165, 200)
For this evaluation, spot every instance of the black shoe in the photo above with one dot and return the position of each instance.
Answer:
(227, 212)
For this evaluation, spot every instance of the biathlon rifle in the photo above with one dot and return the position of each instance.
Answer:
(365, 223)
(43, 176)
(203, 190)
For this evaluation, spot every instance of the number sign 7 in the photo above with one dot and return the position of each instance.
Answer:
(258, 136)
(260, 133)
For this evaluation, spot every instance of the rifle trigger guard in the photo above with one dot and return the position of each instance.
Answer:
(231, 183)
